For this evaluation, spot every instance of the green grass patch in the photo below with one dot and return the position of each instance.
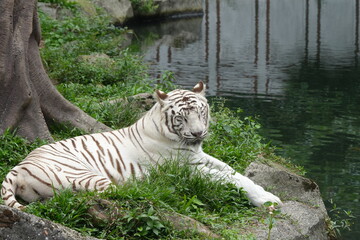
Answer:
(13, 150)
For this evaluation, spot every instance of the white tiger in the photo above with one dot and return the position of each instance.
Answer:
(176, 124)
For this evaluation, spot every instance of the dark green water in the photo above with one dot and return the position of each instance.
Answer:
(292, 63)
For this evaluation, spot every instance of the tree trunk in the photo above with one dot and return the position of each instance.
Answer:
(27, 96)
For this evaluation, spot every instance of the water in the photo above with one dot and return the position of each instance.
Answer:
(293, 63)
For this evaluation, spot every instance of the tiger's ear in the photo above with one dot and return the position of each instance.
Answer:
(200, 88)
(161, 97)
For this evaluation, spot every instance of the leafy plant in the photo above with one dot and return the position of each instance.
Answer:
(273, 213)
(191, 204)
(142, 223)
(232, 139)
(143, 7)
(341, 220)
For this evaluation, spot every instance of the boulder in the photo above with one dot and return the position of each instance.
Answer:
(99, 59)
(53, 10)
(105, 212)
(48, 9)
(15, 225)
(174, 7)
(303, 213)
(118, 10)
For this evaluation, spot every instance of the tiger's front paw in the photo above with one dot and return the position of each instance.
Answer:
(264, 197)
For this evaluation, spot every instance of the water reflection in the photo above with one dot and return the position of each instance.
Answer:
(295, 63)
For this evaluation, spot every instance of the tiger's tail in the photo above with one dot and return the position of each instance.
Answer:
(8, 190)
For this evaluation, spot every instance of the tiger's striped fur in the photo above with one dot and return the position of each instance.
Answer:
(176, 124)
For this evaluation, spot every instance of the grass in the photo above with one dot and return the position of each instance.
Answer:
(171, 188)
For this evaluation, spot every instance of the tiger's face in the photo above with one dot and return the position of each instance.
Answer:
(185, 114)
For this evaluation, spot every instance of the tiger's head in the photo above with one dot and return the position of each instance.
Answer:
(184, 114)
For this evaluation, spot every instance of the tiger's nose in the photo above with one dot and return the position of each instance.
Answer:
(197, 134)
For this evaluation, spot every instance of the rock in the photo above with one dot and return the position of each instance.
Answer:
(145, 101)
(99, 59)
(168, 8)
(184, 223)
(286, 184)
(15, 225)
(304, 211)
(53, 10)
(48, 9)
(106, 212)
(118, 10)
(87, 6)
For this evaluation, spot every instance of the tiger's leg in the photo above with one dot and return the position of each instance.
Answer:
(90, 182)
(221, 171)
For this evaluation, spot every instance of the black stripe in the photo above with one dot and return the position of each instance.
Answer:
(139, 166)
(147, 153)
(137, 130)
(119, 155)
(104, 136)
(98, 144)
(36, 177)
(56, 177)
(132, 169)
(110, 177)
(167, 123)
(39, 167)
(73, 142)
(157, 128)
(12, 203)
(129, 134)
(61, 155)
(64, 146)
(143, 124)
(91, 176)
(7, 197)
(116, 137)
(111, 158)
(90, 154)
(36, 192)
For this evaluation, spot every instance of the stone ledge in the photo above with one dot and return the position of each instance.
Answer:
(303, 213)
(16, 225)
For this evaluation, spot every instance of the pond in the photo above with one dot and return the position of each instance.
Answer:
(292, 63)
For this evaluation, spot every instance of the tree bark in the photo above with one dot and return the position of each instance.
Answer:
(27, 95)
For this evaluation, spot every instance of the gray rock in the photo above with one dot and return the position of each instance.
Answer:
(303, 213)
(48, 9)
(287, 185)
(54, 11)
(99, 59)
(118, 10)
(174, 7)
(184, 223)
(15, 225)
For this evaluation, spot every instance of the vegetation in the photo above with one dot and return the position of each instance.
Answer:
(143, 7)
